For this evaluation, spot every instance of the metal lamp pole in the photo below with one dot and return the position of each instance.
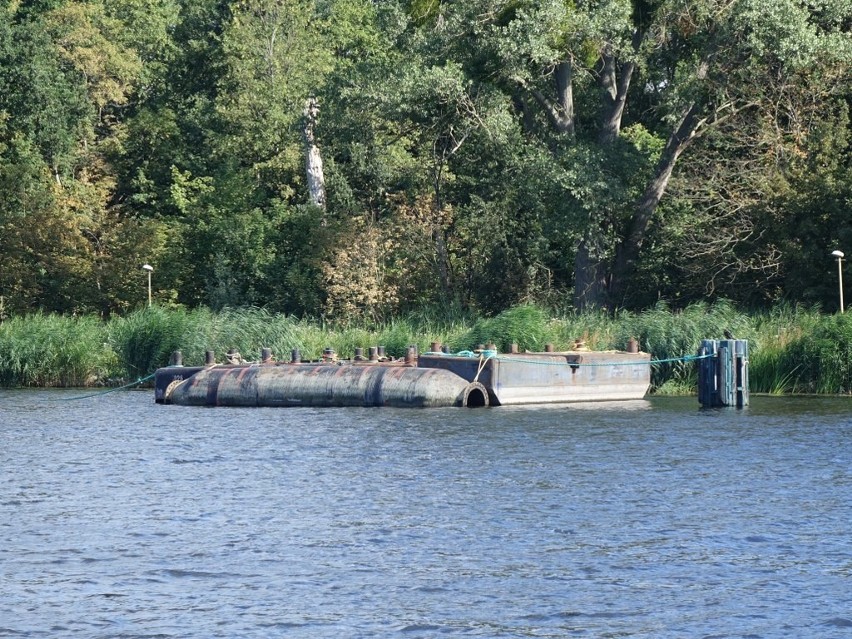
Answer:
(150, 270)
(839, 255)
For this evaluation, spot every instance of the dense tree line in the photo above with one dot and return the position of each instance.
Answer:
(351, 158)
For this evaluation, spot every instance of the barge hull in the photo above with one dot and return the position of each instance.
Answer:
(547, 378)
(321, 386)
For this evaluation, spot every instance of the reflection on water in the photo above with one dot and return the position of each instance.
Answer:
(121, 518)
(627, 406)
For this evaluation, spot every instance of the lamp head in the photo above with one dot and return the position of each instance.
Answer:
(148, 267)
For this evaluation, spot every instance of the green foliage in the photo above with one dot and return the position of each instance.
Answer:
(593, 327)
(396, 337)
(171, 132)
(52, 350)
(771, 370)
(792, 349)
(768, 372)
(88, 39)
(249, 330)
(668, 334)
(423, 11)
(526, 326)
(45, 101)
(145, 339)
(820, 360)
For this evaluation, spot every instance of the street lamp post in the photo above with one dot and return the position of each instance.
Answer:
(150, 270)
(839, 255)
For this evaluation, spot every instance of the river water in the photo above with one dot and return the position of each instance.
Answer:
(123, 518)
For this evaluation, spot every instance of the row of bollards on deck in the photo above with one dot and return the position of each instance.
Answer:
(374, 353)
(723, 373)
(329, 356)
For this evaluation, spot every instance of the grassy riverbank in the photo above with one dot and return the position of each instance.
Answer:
(792, 350)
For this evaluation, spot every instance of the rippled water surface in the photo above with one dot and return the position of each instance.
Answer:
(122, 518)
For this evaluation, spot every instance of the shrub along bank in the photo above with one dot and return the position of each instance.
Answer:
(792, 349)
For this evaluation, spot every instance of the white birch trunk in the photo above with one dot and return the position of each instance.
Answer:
(313, 158)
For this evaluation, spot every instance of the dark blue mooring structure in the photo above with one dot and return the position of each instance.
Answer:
(723, 373)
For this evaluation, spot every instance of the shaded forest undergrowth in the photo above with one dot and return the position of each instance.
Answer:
(792, 349)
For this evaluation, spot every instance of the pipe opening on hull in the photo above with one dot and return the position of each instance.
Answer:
(475, 396)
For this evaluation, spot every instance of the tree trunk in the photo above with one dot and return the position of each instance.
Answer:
(589, 276)
(628, 252)
(614, 86)
(565, 93)
(526, 115)
(313, 158)
(561, 114)
(442, 255)
(590, 272)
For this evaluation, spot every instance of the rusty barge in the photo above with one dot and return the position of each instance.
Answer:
(434, 379)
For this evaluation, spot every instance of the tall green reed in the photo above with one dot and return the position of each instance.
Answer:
(526, 325)
(144, 340)
(792, 349)
(822, 356)
(53, 350)
(771, 370)
(672, 335)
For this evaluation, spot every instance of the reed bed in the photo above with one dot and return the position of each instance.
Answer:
(50, 350)
(671, 335)
(143, 341)
(820, 360)
(525, 326)
(792, 349)
(772, 367)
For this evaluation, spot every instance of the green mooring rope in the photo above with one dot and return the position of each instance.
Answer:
(489, 354)
(109, 390)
